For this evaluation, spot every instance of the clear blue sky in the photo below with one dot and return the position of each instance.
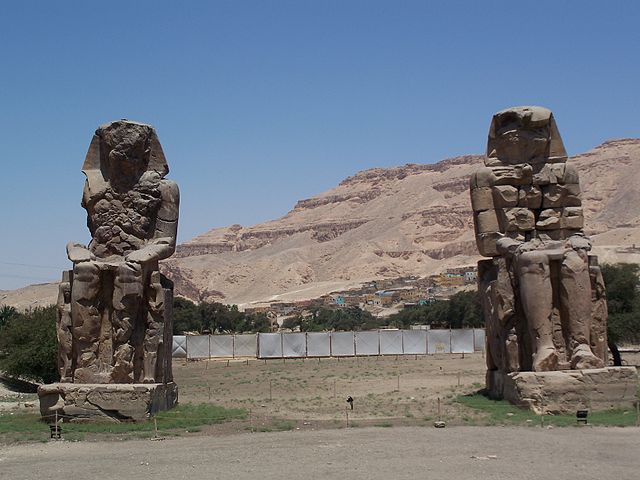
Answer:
(261, 103)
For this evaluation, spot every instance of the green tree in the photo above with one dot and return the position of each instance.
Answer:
(28, 345)
(6, 314)
(186, 316)
(623, 305)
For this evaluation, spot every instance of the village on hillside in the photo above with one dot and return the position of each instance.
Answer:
(381, 298)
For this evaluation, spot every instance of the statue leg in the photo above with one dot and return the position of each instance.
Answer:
(537, 302)
(154, 331)
(64, 329)
(128, 292)
(575, 304)
(85, 319)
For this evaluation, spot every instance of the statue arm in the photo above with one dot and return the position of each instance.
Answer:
(163, 243)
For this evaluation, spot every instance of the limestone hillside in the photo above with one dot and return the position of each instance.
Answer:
(380, 223)
(389, 222)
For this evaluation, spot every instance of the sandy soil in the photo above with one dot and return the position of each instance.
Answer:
(316, 390)
(364, 453)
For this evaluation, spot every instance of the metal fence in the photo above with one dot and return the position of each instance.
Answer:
(329, 344)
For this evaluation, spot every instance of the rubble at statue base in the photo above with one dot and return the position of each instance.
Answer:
(114, 323)
(543, 295)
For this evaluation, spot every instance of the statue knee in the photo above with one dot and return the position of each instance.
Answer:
(573, 263)
(533, 262)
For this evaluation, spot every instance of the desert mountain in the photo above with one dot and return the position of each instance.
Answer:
(389, 222)
(381, 223)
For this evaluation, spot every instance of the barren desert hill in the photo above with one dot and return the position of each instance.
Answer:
(389, 222)
(381, 223)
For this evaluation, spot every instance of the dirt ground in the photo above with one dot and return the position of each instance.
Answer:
(401, 390)
(356, 453)
(383, 388)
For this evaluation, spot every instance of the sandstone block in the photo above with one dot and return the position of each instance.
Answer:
(481, 199)
(557, 196)
(78, 402)
(549, 219)
(565, 391)
(487, 221)
(513, 175)
(572, 218)
(487, 243)
(529, 196)
(505, 196)
(516, 219)
(484, 177)
(570, 175)
(549, 173)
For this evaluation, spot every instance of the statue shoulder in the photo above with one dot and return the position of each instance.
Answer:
(169, 190)
(170, 200)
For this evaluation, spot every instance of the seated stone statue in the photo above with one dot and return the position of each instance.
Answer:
(114, 307)
(543, 294)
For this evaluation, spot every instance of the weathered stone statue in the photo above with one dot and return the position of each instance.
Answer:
(543, 295)
(114, 308)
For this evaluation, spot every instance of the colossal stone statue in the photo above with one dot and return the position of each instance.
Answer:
(114, 307)
(543, 294)
(538, 296)
(116, 297)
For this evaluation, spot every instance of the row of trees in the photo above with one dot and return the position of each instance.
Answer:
(323, 319)
(462, 310)
(215, 318)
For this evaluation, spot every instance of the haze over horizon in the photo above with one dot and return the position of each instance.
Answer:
(260, 104)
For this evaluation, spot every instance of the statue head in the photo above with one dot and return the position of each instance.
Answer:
(121, 151)
(524, 135)
(126, 146)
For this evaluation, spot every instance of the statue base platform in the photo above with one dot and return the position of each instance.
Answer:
(566, 391)
(82, 402)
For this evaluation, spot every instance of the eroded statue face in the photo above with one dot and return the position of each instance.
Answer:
(518, 142)
(128, 156)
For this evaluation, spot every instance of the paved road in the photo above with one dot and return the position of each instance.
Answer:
(353, 454)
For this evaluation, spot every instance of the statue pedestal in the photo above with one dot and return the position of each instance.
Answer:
(81, 402)
(566, 390)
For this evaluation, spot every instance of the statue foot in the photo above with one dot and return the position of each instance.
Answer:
(583, 359)
(546, 360)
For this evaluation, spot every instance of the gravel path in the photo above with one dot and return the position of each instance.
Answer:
(359, 453)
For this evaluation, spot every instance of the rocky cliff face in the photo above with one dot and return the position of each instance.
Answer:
(387, 222)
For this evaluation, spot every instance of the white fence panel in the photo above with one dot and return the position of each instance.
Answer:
(270, 345)
(478, 339)
(367, 343)
(438, 341)
(318, 344)
(245, 345)
(294, 345)
(198, 346)
(342, 344)
(179, 347)
(462, 340)
(414, 342)
(390, 342)
(221, 345)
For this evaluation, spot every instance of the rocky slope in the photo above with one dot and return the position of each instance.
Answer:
(387, 222)
(382, 223)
